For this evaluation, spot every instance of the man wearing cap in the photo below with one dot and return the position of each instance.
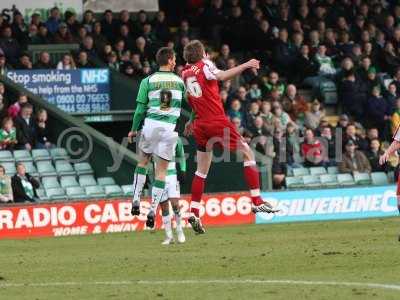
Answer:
(354, 160)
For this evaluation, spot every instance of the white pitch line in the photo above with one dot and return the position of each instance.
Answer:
(214, 281)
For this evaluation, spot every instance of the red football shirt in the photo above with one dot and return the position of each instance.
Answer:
(203, 91)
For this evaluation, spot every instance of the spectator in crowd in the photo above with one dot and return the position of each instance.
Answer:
(282, 118)
(273, 83)
(377, 111)
(44, 61)
(43, 36)
(223, 57)
(24, 62)
(279, 160)
(314, 116)
(391, 96)
(311, 149)
(42, 130)
(294, 105)
(4, 67)
(6, 194)
(351, 134)
(54, 20)
(3, 102)
(24, 185)
(373, 156)
(353, 100)
(9, 45)
(83, 61)
(63, 36)
(329, 146)
(14, 109)
(235, 110)
(67, 63)
(354, 160)
(25, 126)
(8, 134)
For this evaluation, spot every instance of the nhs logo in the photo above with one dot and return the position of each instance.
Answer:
(94, 76)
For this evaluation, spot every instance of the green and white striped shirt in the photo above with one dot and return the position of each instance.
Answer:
(163, 93)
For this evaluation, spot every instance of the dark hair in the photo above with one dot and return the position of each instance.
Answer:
(193, 51)
(5, 120)
(2, 168)
(163, 55)
(26, 105)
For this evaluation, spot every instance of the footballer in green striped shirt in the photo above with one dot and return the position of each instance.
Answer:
(159, 104)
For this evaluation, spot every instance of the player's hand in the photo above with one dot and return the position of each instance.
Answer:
(253, 64)
(131, 136)
(188, 131)
(383, 159)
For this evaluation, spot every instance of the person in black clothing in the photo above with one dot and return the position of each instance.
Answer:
(44, 61)
(25, 126)
(24, 185)
(83, 60)
(353, 100)
(305, 66)
(279, 161)
(43, 36)
(109, 26)
(373, 156)
(42, 131)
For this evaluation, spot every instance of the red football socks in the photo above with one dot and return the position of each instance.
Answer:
(253, 181)
(197, 193)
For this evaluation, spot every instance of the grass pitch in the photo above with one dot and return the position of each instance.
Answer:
(225, 263)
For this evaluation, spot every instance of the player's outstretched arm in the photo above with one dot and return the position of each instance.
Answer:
(389, 151)
(228, 74)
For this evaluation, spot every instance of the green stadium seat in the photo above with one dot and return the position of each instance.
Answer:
(83, 168)
(294, 182)
(128, 190)
(379, 178)
(76, 192)
(31, 169)
(68, 181)
(42, 195)
(300, 172)
(103, 181)
(312, 181)
(40, 154)
(362, 178)
(6, 156)
(95, 191)
(56, 194)
(317, 171)
(50, 182)
(10, 168)
(87, 180)
(289, 172)
(345, 179)
(46, 168)
(22, 155)
(59, 153)
(333, 170)
(329, 180)
(113, 190)
(63, 167)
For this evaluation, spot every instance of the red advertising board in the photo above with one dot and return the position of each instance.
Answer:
(94, 217)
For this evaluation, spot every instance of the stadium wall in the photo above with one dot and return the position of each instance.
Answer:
(221, 209)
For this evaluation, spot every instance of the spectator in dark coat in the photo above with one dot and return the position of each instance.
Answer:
(305, 66)
(109, 26)
(377, 111)
(391, 97)
(373, 156)
(24, 185)
(25, 125)
(350, 96)
(9, 46)
(42, 130)
(282, 54)
(54, 20)
(44, 61)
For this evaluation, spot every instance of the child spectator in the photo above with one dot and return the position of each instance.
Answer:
(41, 129)
(267, 116)
(6, 194)
(283, 119)
(8, 134)
(14, 110)
(24, 185)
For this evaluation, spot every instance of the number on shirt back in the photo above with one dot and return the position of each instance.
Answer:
(193, 87)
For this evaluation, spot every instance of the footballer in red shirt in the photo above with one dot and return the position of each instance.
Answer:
(393, 148)
(211, 127)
